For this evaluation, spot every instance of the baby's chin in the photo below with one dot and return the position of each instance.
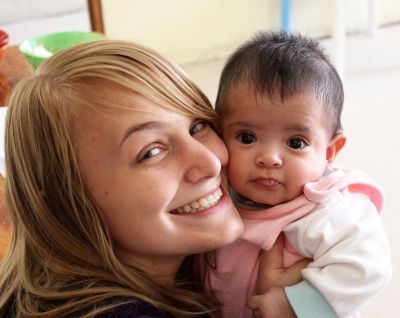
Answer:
(272, 201)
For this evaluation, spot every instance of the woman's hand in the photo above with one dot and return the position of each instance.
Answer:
(271, 304)
(271, 300)
(271, 271)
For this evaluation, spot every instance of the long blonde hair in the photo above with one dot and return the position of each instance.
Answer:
(61, 261)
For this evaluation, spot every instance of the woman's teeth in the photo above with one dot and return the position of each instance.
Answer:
(201, 204)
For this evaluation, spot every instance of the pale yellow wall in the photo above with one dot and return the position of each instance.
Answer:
(187, 30)
(194, 30)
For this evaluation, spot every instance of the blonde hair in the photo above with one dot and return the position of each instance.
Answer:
(61, 261)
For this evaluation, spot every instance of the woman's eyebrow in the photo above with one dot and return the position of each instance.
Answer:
(142, 126)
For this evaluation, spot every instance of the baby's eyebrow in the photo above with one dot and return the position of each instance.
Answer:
(298, 127)
(243, 124)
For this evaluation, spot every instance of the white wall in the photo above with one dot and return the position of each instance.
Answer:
(18, 10)
(315, 17)
(24, 19)
(196, 30)
(188, 30)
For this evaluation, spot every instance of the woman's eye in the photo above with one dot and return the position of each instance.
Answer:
(297, 143)
(246, 138)
(150, 153)
(197, 127)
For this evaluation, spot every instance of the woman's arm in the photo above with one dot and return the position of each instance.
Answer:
(299, 300)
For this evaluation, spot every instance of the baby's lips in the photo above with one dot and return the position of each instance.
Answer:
(267, 182)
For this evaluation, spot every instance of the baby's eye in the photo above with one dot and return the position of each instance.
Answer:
(246, 138)
(198, 126)
(150, 153)
(296, 143)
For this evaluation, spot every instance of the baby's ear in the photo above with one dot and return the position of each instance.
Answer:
(335, 145)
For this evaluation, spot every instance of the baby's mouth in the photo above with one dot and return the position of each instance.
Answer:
(199, 205)
(267, 182)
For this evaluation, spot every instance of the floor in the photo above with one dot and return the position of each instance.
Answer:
(371, 121)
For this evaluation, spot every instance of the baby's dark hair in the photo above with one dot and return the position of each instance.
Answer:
(283, 65)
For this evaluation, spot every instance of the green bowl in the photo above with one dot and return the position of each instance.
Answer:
(39, 48)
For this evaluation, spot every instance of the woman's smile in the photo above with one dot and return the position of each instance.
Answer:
(201, 204)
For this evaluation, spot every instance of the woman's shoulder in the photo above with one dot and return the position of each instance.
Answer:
(135, 309)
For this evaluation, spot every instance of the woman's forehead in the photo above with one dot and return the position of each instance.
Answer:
(128, 110)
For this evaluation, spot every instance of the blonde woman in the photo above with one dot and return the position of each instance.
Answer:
(113, 179)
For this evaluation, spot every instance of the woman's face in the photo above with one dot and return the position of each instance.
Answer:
(156, 176)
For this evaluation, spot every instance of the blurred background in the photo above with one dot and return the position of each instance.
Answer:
(361, 36)
(190, 31)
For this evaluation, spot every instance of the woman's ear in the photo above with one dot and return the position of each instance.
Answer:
(335, 145)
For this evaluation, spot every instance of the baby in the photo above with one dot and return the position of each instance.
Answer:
(280, 102)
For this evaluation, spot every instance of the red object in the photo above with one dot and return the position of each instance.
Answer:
(3, 38)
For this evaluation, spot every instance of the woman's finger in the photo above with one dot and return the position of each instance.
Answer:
(273, 259)
(253, 302)
(272, 304)
(271, 271)
(257, 314)
(271, 266)
(292, 274)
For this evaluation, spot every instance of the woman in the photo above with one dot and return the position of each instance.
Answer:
(113, 179)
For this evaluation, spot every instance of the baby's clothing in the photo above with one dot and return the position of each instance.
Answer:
(335, 222)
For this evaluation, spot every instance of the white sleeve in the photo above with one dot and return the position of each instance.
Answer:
(350, 251)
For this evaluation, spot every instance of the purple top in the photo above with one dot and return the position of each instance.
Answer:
(135, 310)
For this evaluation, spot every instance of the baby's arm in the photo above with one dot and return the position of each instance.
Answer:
(350, 251)
(305, 302)
(308, 302)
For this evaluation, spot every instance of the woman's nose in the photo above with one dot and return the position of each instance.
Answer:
(205, 162)
(270, 158)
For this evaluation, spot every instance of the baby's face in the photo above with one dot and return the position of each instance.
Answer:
(274, 147)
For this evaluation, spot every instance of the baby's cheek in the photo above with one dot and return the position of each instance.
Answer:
(234, 174)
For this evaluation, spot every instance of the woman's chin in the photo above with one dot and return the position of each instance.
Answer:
(229, 232)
